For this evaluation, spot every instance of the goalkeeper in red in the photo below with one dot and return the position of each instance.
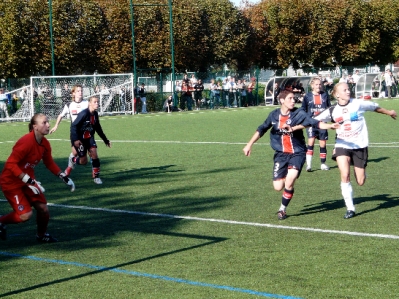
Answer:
(19, 184)
(82, 137)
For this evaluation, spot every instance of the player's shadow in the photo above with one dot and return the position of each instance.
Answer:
(202, 242)
(377, 160)
(385, 201)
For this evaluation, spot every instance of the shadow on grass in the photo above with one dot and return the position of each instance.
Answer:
(99, 269)
(164, 189)
(386, 202)
(377, 160)
(334, 164)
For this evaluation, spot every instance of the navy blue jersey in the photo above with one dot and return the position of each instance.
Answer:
(85, 126)
(280, 139)
(315, 104)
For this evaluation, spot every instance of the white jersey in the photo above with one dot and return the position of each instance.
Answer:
(74, 108)
(352, 133)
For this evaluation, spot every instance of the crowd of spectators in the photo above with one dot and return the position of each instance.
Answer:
(231, 92)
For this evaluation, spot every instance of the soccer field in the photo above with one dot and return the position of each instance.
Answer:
(183, 213)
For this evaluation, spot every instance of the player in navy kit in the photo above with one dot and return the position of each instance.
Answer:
(314, 103)
(82, 137)
(287, 139)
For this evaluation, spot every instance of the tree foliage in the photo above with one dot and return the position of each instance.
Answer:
(94, 35)
(325, 32)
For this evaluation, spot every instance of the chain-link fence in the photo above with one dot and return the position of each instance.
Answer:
(116, 91)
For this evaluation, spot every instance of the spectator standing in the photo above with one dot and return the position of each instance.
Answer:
(193, 80)
(388, 83)
(328, 83)
(3, 104)
(275, 91)
(23, 94)
(186, 101)
(178, 86)
(226, 88)
(232, 92)
(65, 95)
(198, 89)
(143, 98)
(251, 86)
(14, 103)
(356, 77)
(244, 93)
(215, 93)
(240, 89)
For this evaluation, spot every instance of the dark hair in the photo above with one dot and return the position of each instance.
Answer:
(33, 120)
(284, 94)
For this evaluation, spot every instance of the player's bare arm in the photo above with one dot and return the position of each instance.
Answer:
(59, 118)
(247, 148)
(391, 113)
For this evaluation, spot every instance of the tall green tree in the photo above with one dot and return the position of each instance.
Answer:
(80, 29)
(24, 38)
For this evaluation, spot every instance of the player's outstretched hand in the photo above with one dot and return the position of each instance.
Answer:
(393, 114)
(53, 130)
(108, 143)
(67, 180)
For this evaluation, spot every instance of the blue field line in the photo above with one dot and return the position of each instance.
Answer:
(153, 276)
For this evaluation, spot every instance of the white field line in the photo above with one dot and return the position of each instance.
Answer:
(297, 228)
(386, 145)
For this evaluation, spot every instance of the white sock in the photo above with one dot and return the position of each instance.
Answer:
(309, 160)
(347, 193)
(282, 207)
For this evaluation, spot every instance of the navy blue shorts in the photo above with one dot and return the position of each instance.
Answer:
(283, 162)
(87, 144)
(317, 133)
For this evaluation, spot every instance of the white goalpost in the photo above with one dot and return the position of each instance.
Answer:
(49, 94)
(115, 91)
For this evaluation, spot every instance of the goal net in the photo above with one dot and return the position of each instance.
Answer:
(115, 91)
(18, 105)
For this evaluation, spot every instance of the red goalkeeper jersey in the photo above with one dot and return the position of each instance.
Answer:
(25, 155)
